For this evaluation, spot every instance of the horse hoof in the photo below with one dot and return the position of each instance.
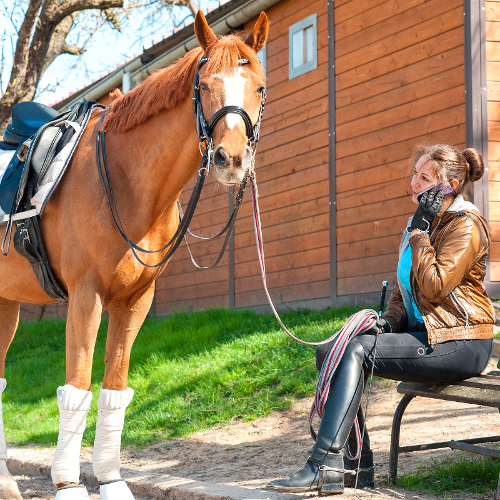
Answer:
(72, 492)
(8, 487)
(114, 490)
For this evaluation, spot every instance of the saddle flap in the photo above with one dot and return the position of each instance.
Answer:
(43, 150)
(9, 184)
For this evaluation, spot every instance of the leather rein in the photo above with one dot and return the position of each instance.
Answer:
(204, 130)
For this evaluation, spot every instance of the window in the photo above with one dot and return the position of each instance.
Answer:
(303, 46)
(262, 56)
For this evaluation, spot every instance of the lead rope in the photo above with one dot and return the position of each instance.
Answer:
(356, 324)
(260, 252)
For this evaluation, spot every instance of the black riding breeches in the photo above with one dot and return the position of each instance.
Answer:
(409, 357)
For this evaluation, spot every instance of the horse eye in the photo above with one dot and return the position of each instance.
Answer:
(203, 86)
(260, 89)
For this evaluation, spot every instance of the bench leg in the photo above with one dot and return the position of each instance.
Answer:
(497, 497)
(396, 428)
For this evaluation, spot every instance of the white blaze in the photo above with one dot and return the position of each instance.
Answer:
(234, 88)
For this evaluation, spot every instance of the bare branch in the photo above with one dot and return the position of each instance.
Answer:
(23, 40)
(71, 49)
(113, 19)
(68, 7)
(48, 28)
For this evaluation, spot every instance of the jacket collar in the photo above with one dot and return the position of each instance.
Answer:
(459, 204)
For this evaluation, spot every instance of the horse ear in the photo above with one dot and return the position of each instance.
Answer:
(206, 37)
(258, 37)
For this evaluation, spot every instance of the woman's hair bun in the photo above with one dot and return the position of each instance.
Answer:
(476, 165)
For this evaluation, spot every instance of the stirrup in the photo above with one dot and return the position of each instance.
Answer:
(322, 467)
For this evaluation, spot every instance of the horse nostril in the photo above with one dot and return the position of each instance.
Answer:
(220, 157)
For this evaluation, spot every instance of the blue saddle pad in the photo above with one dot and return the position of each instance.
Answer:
(26, 119)
(9, 184)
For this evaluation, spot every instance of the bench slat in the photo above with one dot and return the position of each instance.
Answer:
(473, 393)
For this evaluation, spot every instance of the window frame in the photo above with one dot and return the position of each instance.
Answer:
(311, 20)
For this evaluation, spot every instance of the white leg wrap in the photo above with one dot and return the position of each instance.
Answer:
(73, 407)
(115, 490)
(72, 493)
(3, 444)
(110, 419)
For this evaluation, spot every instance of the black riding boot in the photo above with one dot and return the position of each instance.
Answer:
(343, 402)
(366, 478)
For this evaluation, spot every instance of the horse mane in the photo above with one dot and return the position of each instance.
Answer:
(168, 87)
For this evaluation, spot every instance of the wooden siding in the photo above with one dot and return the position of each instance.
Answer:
(399, 82)
(493, 75)
(292, 172)
(181, 285)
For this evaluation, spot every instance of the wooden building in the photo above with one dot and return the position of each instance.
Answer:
(353, 87)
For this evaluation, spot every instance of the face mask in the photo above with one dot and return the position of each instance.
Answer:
(440, 187)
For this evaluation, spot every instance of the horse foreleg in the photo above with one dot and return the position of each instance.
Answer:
(9, 317)
(125, 321)
(74, 398)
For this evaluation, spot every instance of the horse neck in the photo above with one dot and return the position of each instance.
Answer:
(152, 163)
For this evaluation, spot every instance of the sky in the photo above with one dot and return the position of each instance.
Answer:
(107, 49)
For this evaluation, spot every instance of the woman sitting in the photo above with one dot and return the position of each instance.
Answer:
(437, 326)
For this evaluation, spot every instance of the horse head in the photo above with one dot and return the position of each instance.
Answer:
(232, 76)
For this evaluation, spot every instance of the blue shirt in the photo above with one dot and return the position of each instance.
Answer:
(404, 268)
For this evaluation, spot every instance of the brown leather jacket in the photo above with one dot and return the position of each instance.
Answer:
(448, 268)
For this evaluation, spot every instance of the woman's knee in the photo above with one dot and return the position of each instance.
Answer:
(354, 349)
(322, 351)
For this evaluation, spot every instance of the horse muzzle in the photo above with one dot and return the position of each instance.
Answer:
(231, 169)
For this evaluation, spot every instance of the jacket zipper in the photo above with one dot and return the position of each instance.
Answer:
(433, 344)
(460, 308)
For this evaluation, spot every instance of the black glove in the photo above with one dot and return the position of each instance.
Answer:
(430, 204)
(381, 326)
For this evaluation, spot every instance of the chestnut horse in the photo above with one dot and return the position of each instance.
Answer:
(152, 152)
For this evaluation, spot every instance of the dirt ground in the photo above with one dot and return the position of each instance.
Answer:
(249, 454)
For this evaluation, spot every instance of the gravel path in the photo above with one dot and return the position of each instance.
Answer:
(244, 456)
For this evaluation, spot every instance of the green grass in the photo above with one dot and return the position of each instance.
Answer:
(189, 372)
(462, 472)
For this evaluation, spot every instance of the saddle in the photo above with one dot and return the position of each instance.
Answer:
(26, 119)
(38, 134)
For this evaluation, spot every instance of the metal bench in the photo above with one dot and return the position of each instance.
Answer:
(483, 390)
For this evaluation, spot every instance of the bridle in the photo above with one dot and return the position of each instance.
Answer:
(206, 127)
(204, 130)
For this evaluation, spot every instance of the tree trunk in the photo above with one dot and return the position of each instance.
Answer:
(41, 38)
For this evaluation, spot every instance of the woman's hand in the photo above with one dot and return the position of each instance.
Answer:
(430, 204)
(381, 326)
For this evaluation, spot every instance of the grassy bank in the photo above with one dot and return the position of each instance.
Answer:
(189, 372)
(462, 472)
